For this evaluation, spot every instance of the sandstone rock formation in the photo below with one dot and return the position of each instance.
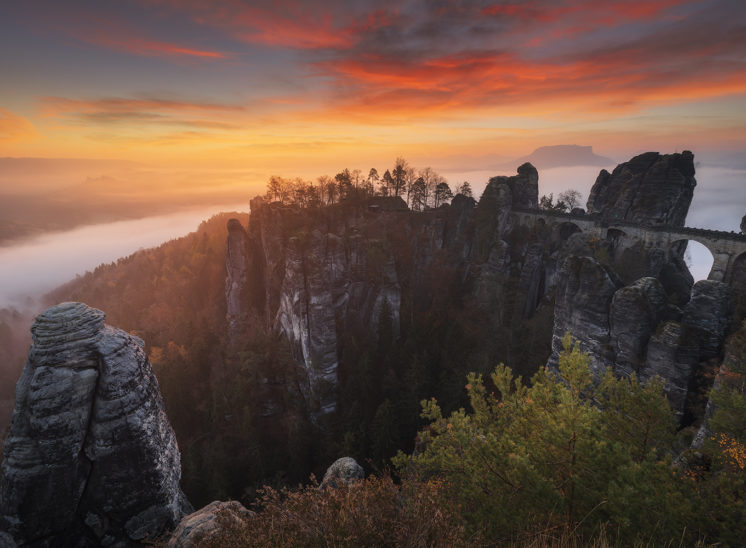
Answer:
(216, 521)
(328, 275)
(636, 310)
(236, 283)
(708, 312)
(341, 472)
(90, 457)
(524, 187)
(672, 355)
(651, 188)
(585, 290)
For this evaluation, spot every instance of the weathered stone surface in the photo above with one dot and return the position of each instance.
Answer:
(743, 224)
(236, 281)
(651, 188)
(708, 311)
(324, 272)
(524, 187)
(531, 283)
(635, 312)
(216, 521)
(327, 273)
(341, 472)
(90, 456)
(585, 289)
(673, 354)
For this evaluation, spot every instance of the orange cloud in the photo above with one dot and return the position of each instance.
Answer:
(15, 128)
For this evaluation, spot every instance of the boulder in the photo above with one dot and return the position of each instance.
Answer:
(342, 472)
(218, 522)
(650, 189)
(90, 456)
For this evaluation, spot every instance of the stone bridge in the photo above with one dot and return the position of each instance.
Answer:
(726, 247)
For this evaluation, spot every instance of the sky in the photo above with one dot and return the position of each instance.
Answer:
(302, 88)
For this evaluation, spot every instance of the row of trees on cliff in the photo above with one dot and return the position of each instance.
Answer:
(420, 188)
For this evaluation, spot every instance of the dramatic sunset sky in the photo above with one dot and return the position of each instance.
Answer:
(302, 87)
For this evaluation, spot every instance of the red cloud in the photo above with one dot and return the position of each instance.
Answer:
(613, 81)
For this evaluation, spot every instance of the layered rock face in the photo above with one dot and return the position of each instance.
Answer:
(651, 188)
(90, 458)
(524, 187)
(324, 274)
(236, 282)
(633, 329)
(333, 271)
(330, 277)
(584, 294)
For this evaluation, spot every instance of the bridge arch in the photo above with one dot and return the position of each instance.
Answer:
(698, 256)
(565, 229)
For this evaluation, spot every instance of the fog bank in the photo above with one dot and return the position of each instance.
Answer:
(30, 269)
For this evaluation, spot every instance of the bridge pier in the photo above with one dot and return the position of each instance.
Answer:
(720, 266)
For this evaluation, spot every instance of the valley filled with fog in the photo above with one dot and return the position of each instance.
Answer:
(32, 267)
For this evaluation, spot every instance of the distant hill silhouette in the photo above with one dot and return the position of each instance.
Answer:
(561, 156)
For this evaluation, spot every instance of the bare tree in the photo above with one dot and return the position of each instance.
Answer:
(571, 198)
(464, 189)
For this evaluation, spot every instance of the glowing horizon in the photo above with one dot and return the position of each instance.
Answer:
(282, 87)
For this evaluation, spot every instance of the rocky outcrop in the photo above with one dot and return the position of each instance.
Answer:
(524, 187)
(743, 224)
(320, 280)
(217, 522)
(673, 355)
(342, 472)
(679, 349)
(237, 265)
(636, 310)
(733, 361)
(650, 189)
(708, 312)
(90, 456)
(585, 289)
(334, 274)
(634, 329)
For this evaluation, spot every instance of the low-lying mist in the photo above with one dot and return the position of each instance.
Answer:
(30, 269)
(719, 199)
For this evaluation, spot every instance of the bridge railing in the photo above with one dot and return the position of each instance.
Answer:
(595, 217)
